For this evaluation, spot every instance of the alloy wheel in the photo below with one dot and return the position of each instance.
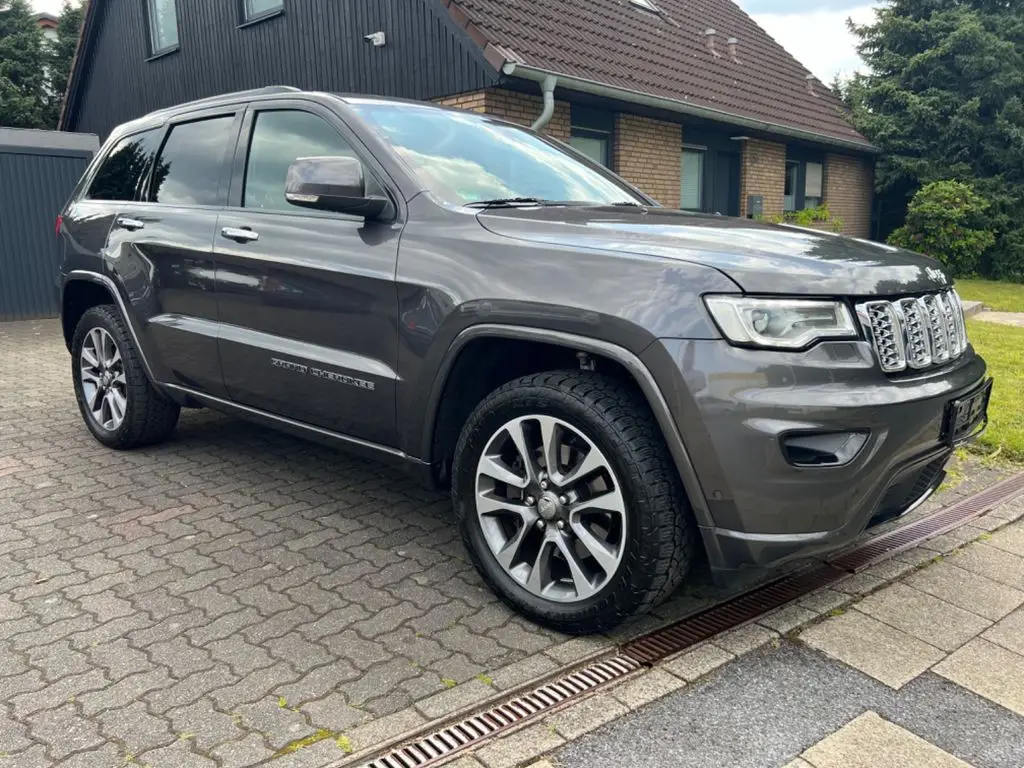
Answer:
(551, 508)
(104, 386)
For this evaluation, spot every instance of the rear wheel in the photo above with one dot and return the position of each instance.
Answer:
(118, 403)
(568, 501)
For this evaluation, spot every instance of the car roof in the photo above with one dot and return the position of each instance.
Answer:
(160, 116)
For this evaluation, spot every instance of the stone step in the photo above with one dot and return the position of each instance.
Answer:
(973, 308)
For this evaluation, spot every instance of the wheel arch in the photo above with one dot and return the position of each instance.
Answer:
(80, 287)
(446, 412)
(80, 294)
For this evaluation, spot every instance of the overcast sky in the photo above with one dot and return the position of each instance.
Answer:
(815, 32)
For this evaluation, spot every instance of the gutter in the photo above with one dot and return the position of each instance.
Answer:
(514, 69)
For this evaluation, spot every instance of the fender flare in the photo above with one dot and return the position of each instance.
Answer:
(633, 364)
(86, 275)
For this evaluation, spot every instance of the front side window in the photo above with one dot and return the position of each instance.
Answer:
(278, 140)
(163, 25)
(692, 196)
(255, 9)
(122, 173)
(191, 164)
(465, 157)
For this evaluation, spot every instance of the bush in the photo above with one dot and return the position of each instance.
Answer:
(946, 220)
(810, 217)
(1006, 262)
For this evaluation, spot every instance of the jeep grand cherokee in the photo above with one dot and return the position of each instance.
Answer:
(605, 385)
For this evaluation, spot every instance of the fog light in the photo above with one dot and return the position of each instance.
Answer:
(822, 449)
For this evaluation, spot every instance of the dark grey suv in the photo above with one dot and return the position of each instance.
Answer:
(607, 386)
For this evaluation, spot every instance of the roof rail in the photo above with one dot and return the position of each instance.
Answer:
(268, 90)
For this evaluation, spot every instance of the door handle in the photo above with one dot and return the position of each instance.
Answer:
(240, 235)
(132, 225)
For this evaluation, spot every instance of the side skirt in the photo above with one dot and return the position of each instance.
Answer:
(363, 448)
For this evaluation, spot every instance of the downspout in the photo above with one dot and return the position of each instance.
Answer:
(547, 87)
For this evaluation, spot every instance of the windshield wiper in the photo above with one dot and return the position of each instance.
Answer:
(502, 202)
(627, 204)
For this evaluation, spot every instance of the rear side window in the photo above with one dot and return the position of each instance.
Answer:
(190, 166)
(122, 174)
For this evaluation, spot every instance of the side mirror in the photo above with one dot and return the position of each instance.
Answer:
(332, 184)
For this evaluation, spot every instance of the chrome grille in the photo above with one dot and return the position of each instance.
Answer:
(915, 332)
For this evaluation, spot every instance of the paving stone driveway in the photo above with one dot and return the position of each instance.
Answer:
(216, 599)
(238, 596)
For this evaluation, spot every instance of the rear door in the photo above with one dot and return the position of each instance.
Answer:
(162, 248)
(307, 299)
(116, 182)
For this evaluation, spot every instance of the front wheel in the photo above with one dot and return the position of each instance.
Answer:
(118, 403)
(568, 501)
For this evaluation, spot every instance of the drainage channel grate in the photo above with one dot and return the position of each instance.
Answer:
(440, 746)
(662, 643)
(444, 743)
(872, 550)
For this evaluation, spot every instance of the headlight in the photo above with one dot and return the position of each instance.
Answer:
(780, 323)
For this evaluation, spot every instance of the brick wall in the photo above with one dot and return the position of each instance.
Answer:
(474, 101)
(522, 108)
(849, 192)
(763, 172)
(648, 154)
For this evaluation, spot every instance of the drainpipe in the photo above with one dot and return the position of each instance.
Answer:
(547, 87)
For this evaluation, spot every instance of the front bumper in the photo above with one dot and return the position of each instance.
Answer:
(734, 406)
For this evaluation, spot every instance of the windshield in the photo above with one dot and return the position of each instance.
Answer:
(467, 158)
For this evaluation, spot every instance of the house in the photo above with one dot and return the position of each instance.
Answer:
(690, 101)
(48, 23)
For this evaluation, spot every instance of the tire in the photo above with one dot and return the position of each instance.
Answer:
(655, 540)
(147, 417)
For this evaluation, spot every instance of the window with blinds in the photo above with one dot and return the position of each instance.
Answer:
(814, 186)
(692, 195)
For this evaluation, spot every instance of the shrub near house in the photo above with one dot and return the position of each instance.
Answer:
(946, 219)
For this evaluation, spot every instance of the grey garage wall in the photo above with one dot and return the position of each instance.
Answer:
(38, 171)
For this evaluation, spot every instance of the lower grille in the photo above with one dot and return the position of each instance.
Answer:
(907, 490)
(915, 332)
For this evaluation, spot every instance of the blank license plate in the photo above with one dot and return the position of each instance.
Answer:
(967, 417)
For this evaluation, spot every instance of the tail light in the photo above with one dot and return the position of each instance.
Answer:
(60, 223)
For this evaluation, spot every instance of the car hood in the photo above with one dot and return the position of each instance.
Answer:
(759, 257)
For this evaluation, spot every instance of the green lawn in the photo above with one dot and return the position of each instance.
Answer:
(1002, 297)
(1002, 346)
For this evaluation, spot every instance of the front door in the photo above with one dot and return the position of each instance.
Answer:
(725, 183)
(307, 299)
(711, 177)
(162, 250)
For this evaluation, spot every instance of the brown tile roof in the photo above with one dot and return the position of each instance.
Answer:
(665, 55)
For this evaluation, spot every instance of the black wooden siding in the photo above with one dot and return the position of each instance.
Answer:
(314, 44)
(35, 183)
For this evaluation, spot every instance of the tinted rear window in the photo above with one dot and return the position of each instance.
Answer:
(190, 165)
(121, 175)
